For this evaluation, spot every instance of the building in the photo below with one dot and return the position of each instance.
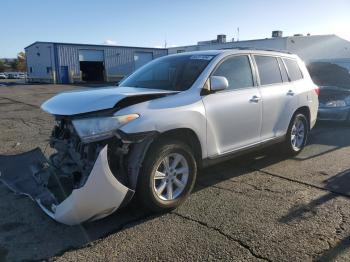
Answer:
(71, 63)
(310, 48)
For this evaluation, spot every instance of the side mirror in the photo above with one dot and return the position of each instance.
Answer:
(218, 83)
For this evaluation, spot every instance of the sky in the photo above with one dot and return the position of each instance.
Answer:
(151, 23)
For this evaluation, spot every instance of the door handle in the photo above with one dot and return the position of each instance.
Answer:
(290, 93)
(255, 99)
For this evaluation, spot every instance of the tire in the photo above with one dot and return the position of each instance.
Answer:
(149, 180)
(294, 144)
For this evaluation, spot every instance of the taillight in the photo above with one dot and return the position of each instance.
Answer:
(317, 90)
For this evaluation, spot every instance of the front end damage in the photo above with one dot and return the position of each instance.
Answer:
(80, 181)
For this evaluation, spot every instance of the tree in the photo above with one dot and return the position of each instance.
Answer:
(2, 66)
(21, 62)
(14, 64)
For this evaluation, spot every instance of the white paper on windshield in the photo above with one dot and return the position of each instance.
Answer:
(201, 57)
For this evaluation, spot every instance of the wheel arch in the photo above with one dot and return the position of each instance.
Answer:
(186, 135)
(306, 111)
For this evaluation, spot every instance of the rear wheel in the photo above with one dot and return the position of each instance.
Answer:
(297, 134)
(168, 176)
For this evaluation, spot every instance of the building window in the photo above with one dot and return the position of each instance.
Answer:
(48, 70)
(180, 51)
(30, 69)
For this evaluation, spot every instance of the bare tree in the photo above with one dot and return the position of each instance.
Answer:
(21, 62)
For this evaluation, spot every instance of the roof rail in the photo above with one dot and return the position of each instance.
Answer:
(255, 48)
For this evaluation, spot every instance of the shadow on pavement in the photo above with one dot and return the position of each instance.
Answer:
(334, 137)
(336, 251)
(339, 184)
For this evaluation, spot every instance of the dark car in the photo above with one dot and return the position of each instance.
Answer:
(334, 104)
(11, 76)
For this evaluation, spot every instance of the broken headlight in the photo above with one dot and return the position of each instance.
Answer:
(99, 128)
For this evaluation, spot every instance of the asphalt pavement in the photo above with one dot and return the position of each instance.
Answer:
(259, 207)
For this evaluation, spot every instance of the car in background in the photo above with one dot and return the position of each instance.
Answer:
(21, 75)
(334, 104)
(3, 76)
(12, 76)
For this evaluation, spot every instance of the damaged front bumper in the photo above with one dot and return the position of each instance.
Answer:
(101, 194)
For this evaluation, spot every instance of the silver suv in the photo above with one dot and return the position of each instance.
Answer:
(150, 135)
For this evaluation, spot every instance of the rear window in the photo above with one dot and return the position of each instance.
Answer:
(269, 71)
(293, 69)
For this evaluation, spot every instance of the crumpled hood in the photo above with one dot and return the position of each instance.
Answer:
(86, 101)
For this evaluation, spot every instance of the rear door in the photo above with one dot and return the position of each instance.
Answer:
(233, 115)
(277, 95)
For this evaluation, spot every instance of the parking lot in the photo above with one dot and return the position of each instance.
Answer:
(258, 207)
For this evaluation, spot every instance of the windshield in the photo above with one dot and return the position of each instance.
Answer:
(175, 73)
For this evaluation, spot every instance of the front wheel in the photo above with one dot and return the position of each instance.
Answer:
(297, 135)
(168, 176)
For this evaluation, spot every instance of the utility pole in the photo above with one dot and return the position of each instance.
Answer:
(237, 34)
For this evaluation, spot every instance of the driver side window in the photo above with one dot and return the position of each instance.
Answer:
(238, 72)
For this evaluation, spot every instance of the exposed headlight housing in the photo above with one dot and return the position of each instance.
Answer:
(99, 128)
(336, 103)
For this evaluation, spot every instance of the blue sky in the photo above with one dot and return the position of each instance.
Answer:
(151, 22)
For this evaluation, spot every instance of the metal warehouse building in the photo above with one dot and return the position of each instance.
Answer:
(310, 48)
(71, 63)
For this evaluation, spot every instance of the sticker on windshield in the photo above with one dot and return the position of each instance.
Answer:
(201, 57)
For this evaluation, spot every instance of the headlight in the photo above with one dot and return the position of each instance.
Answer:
(335, 103)
(99, 128)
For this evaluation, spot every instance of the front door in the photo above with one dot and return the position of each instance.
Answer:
(64, 75)
(233, 115)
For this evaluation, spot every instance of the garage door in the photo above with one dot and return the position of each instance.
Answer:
(92, 65)
(142, 58)
(91, 55)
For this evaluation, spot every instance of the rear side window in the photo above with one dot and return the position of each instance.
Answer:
(269, 71)
(237, 70)
(293, 69)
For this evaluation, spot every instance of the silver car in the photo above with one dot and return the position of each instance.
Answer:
(149, 136)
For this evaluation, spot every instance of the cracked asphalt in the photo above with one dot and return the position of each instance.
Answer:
(259, 207)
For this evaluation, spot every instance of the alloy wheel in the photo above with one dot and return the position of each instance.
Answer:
(298, 134)
(171, 176)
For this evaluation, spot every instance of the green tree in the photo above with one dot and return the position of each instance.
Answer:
(14, 64)
(2, 66)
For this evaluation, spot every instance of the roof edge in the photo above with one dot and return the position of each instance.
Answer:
(96, 45)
